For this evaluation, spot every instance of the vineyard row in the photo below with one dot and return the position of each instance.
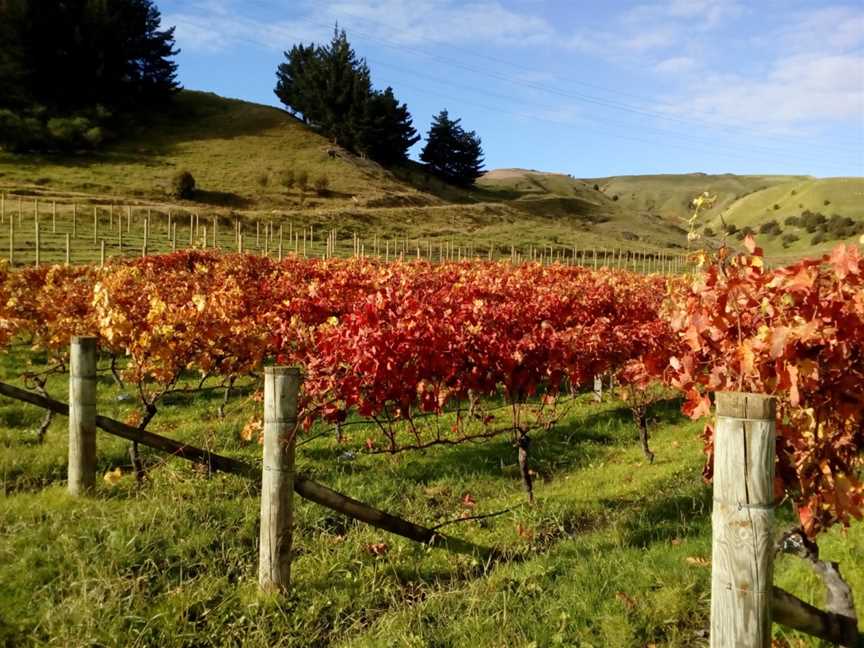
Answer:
(39, 232)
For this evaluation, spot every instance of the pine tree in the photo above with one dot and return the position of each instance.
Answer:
(329, 87)
(294, 80)
(386, 132)
(341, 87)
(452, 153)
(65, 67)
(75, 54)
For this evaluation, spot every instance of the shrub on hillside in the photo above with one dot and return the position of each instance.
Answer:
(322, 184)
(182, 185)
(792, 221)
(286, 178)
(771, 228)
(812, 221)
(841, 227)
(776, 206)
(708, 232)
(820, 237)
(789, 239)
(826, 203)
(263, 179)
(596, 187)
(743, 232)
(730, 229)
(302, 179)
(615, 197)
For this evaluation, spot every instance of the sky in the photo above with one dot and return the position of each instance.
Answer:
(581, 87)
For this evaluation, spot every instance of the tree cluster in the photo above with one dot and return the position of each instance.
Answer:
(67, 67)
(451, 152)
(330, 88)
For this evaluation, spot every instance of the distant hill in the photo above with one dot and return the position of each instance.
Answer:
(743, 201)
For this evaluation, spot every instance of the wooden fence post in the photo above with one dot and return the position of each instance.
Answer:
(82, 415)
(281, 388)
(11, 240)
(598, 388)
(38, 242)
(742, 520)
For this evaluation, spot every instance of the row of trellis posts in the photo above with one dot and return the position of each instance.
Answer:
(743, 597)
(114, 230)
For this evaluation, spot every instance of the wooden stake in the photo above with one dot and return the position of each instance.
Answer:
(68, 249)
(281, 389)
(11, 241)
(82, 415)
(74, 220)
(742, 521)
(95, 226)
(53, 216)
(102, 253)
(38, 241)
(280, 241)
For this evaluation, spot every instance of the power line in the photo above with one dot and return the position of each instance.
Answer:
(575, 96)
(713, 143)
(714, 147)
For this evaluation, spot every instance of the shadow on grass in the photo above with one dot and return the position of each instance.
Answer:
(684, 512)
(222, 199)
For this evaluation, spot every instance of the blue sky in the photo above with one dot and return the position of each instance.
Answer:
(587, 88)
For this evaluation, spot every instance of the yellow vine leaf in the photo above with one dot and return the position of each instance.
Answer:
(112, 477)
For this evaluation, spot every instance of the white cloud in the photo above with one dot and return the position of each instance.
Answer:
(676, 65)
(827, 29)
(222, 24)
(424, 22)
(797, 90)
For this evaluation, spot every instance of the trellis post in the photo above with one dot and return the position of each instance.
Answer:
(742, 521)
(82, 415)
(281, 389)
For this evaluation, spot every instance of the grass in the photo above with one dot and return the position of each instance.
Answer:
(601, 559)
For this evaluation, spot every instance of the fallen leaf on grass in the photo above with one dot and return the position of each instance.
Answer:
(378, 548)
(254, 428)
(469, 501)
(524, 532)
(112, 477)
(626, 599)
(697, 561)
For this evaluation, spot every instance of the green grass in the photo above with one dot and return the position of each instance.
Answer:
(601, 559)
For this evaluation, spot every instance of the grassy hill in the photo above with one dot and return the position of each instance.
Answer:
(669, 196)
(240, 153)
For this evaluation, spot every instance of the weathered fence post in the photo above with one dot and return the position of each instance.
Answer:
(82, 415)
(281, 387)
(742, 520)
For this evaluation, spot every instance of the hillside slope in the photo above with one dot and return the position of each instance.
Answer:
(241, 154)
(237, 152)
